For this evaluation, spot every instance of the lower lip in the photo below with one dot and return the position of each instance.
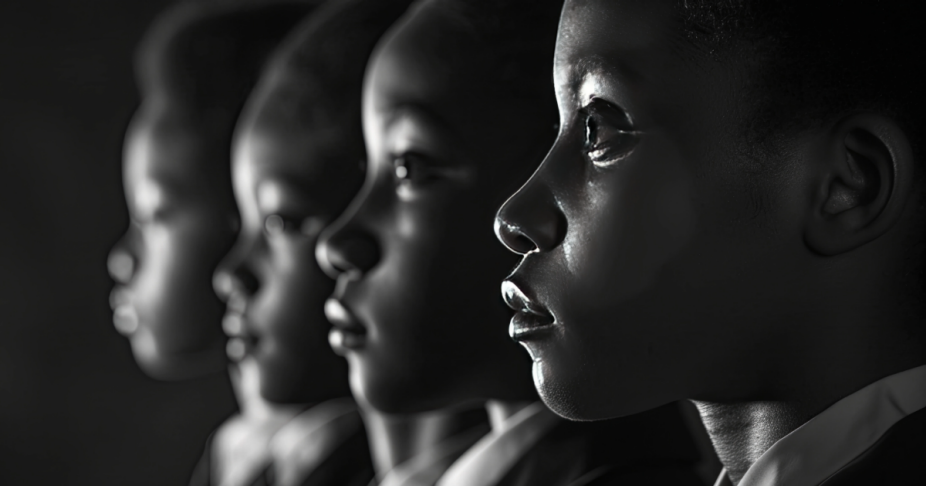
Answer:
(125, 319)
(345, 340)
(526, 326)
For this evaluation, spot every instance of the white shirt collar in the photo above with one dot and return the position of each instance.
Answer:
(828, 442)
(493, 456)
(307, 440)
(427, 467)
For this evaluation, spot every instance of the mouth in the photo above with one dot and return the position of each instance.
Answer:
(348, 334)
(125, 318)
(530, 320)
(240, 342)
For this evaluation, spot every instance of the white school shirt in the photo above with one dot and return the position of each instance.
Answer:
(494, 455)
(828, 442)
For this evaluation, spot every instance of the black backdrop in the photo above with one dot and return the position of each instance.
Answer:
(74, 408)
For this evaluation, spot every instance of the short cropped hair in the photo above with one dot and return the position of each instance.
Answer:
(206, 56)
(815, 60)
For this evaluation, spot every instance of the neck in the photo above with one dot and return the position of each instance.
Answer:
(245, 380)
(500, 411)
(816, 374)
(742, 432)
(395, 439)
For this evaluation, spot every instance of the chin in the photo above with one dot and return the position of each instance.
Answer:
(179, 367)
(284, 383)
(579, 394)
(386, 391)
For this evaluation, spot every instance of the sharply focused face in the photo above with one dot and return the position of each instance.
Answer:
(181, 226)
(648, 246)
(416, 311)
(290, 180)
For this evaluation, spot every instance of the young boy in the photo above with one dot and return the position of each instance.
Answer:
(733, 213)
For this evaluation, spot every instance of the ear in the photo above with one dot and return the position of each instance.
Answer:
(867, 177)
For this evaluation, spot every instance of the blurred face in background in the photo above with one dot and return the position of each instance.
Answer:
(416, 310)
(182, 221)
(291, 178)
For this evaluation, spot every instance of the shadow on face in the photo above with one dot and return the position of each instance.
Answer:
(291, 178)
(415, 310)
(182, 223)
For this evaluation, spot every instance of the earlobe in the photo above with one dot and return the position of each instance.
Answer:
(868, 171)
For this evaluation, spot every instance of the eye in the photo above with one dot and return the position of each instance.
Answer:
(608, 137)
(412, 169)
(277, 224)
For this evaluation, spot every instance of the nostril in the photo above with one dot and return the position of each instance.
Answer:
(229, 283)
(349, 253)
(513, 238)
(522, 244)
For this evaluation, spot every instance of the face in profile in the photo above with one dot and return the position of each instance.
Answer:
(642, 231)
(415, 310)
(181, 226)
(291, 178)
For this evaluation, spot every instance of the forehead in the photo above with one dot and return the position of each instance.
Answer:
(428, 59)
(165, 146)
(627, 39)
(281, 135)
(634, 54)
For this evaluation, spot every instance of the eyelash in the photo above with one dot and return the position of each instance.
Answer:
(411, 169)
(606, 144)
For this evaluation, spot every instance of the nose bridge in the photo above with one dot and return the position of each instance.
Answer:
(530, 219)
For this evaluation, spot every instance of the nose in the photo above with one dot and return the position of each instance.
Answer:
(343, 250)
(234, 277)
(121, 263)
(530, 220)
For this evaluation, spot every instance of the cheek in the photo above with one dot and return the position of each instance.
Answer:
(639, 221)
(161, 262)
(295, 285)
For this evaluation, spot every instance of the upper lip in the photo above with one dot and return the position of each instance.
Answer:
(337, 310)
(118, 297)
(518, 300)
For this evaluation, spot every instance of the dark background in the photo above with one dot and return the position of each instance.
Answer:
(74, 407)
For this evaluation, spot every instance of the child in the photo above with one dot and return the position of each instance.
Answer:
(733, 213)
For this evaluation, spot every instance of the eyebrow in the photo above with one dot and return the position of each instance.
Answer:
(416, 111)
(298, 190)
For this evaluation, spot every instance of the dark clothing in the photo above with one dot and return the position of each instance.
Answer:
(651, 448)
(897, 459)
(349, 465)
